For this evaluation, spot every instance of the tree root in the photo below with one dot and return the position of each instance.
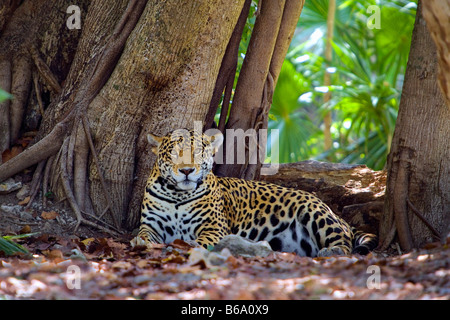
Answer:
(37, 89)
(97, 164)
(424, 220)
(45, 180)
(55, 152)
(274, 27)
(226, 102)
(109, 230)
(45, 72)
(400, 205)
(291, 15)
(250, 170)
(36, 181)
(5, 84)
(227, 73)
(36, 153)
(78, 155)
(20, 87)
(389, 238)
(66, 181)
(66, 184)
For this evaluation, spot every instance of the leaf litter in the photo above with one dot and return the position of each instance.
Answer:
(110, 269)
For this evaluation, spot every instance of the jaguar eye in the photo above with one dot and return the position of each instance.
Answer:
(197, 152)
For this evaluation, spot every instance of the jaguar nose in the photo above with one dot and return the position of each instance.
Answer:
(186, 171)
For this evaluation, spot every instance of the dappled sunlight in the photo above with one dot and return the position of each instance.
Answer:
(166, 273)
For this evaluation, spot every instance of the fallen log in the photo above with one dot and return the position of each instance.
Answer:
(354, 192)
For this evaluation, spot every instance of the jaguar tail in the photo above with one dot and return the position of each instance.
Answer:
(363, 242)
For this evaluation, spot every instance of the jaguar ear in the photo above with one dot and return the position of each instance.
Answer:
(216, 141)
(154, 141)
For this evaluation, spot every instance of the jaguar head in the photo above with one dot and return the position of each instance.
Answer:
(185, 157)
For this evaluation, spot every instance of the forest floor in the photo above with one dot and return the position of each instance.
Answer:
(92, 265)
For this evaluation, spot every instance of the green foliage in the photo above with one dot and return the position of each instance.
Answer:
(293, 123)
(9, 247)
(367, 75)
(4, 95)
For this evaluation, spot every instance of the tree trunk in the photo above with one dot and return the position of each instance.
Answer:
(139, 67)
(327, 119)
(163, 81)
(244, 146)
(418, 186)
(437, 13)
(36, 52)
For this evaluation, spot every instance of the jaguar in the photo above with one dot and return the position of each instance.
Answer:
(184, 200)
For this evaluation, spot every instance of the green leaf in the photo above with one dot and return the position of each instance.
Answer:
(9, 247)
(21, 236)
(4, 95)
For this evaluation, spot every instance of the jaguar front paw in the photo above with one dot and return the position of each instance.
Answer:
(138, 241)
(331, 251)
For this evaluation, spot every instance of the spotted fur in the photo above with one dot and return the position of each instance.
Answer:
(185, 200)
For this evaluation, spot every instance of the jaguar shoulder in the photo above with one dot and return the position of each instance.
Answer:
(184, 200)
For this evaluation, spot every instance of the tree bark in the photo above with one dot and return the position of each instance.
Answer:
(34, 44)
(163, 81)
(272, 34)
(436, 14)
(418, 182)
(139, 67)
(327, 119)
(227, 73)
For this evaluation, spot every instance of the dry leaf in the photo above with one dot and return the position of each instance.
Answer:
(180, 244)
(25, 229)
(9, 154)
(141, 263)
(25, 201)
(87, 241)
(53, 254)
(174, 259)
(122, 265)
(25, 141)
(49, 215)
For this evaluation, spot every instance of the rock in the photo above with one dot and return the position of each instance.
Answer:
(9, 186)
(23, 193)
(217, 259)
(239, 246)
(142, 279)
(9, 208)
(78, 255)
(25, 215)
(199, 254)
